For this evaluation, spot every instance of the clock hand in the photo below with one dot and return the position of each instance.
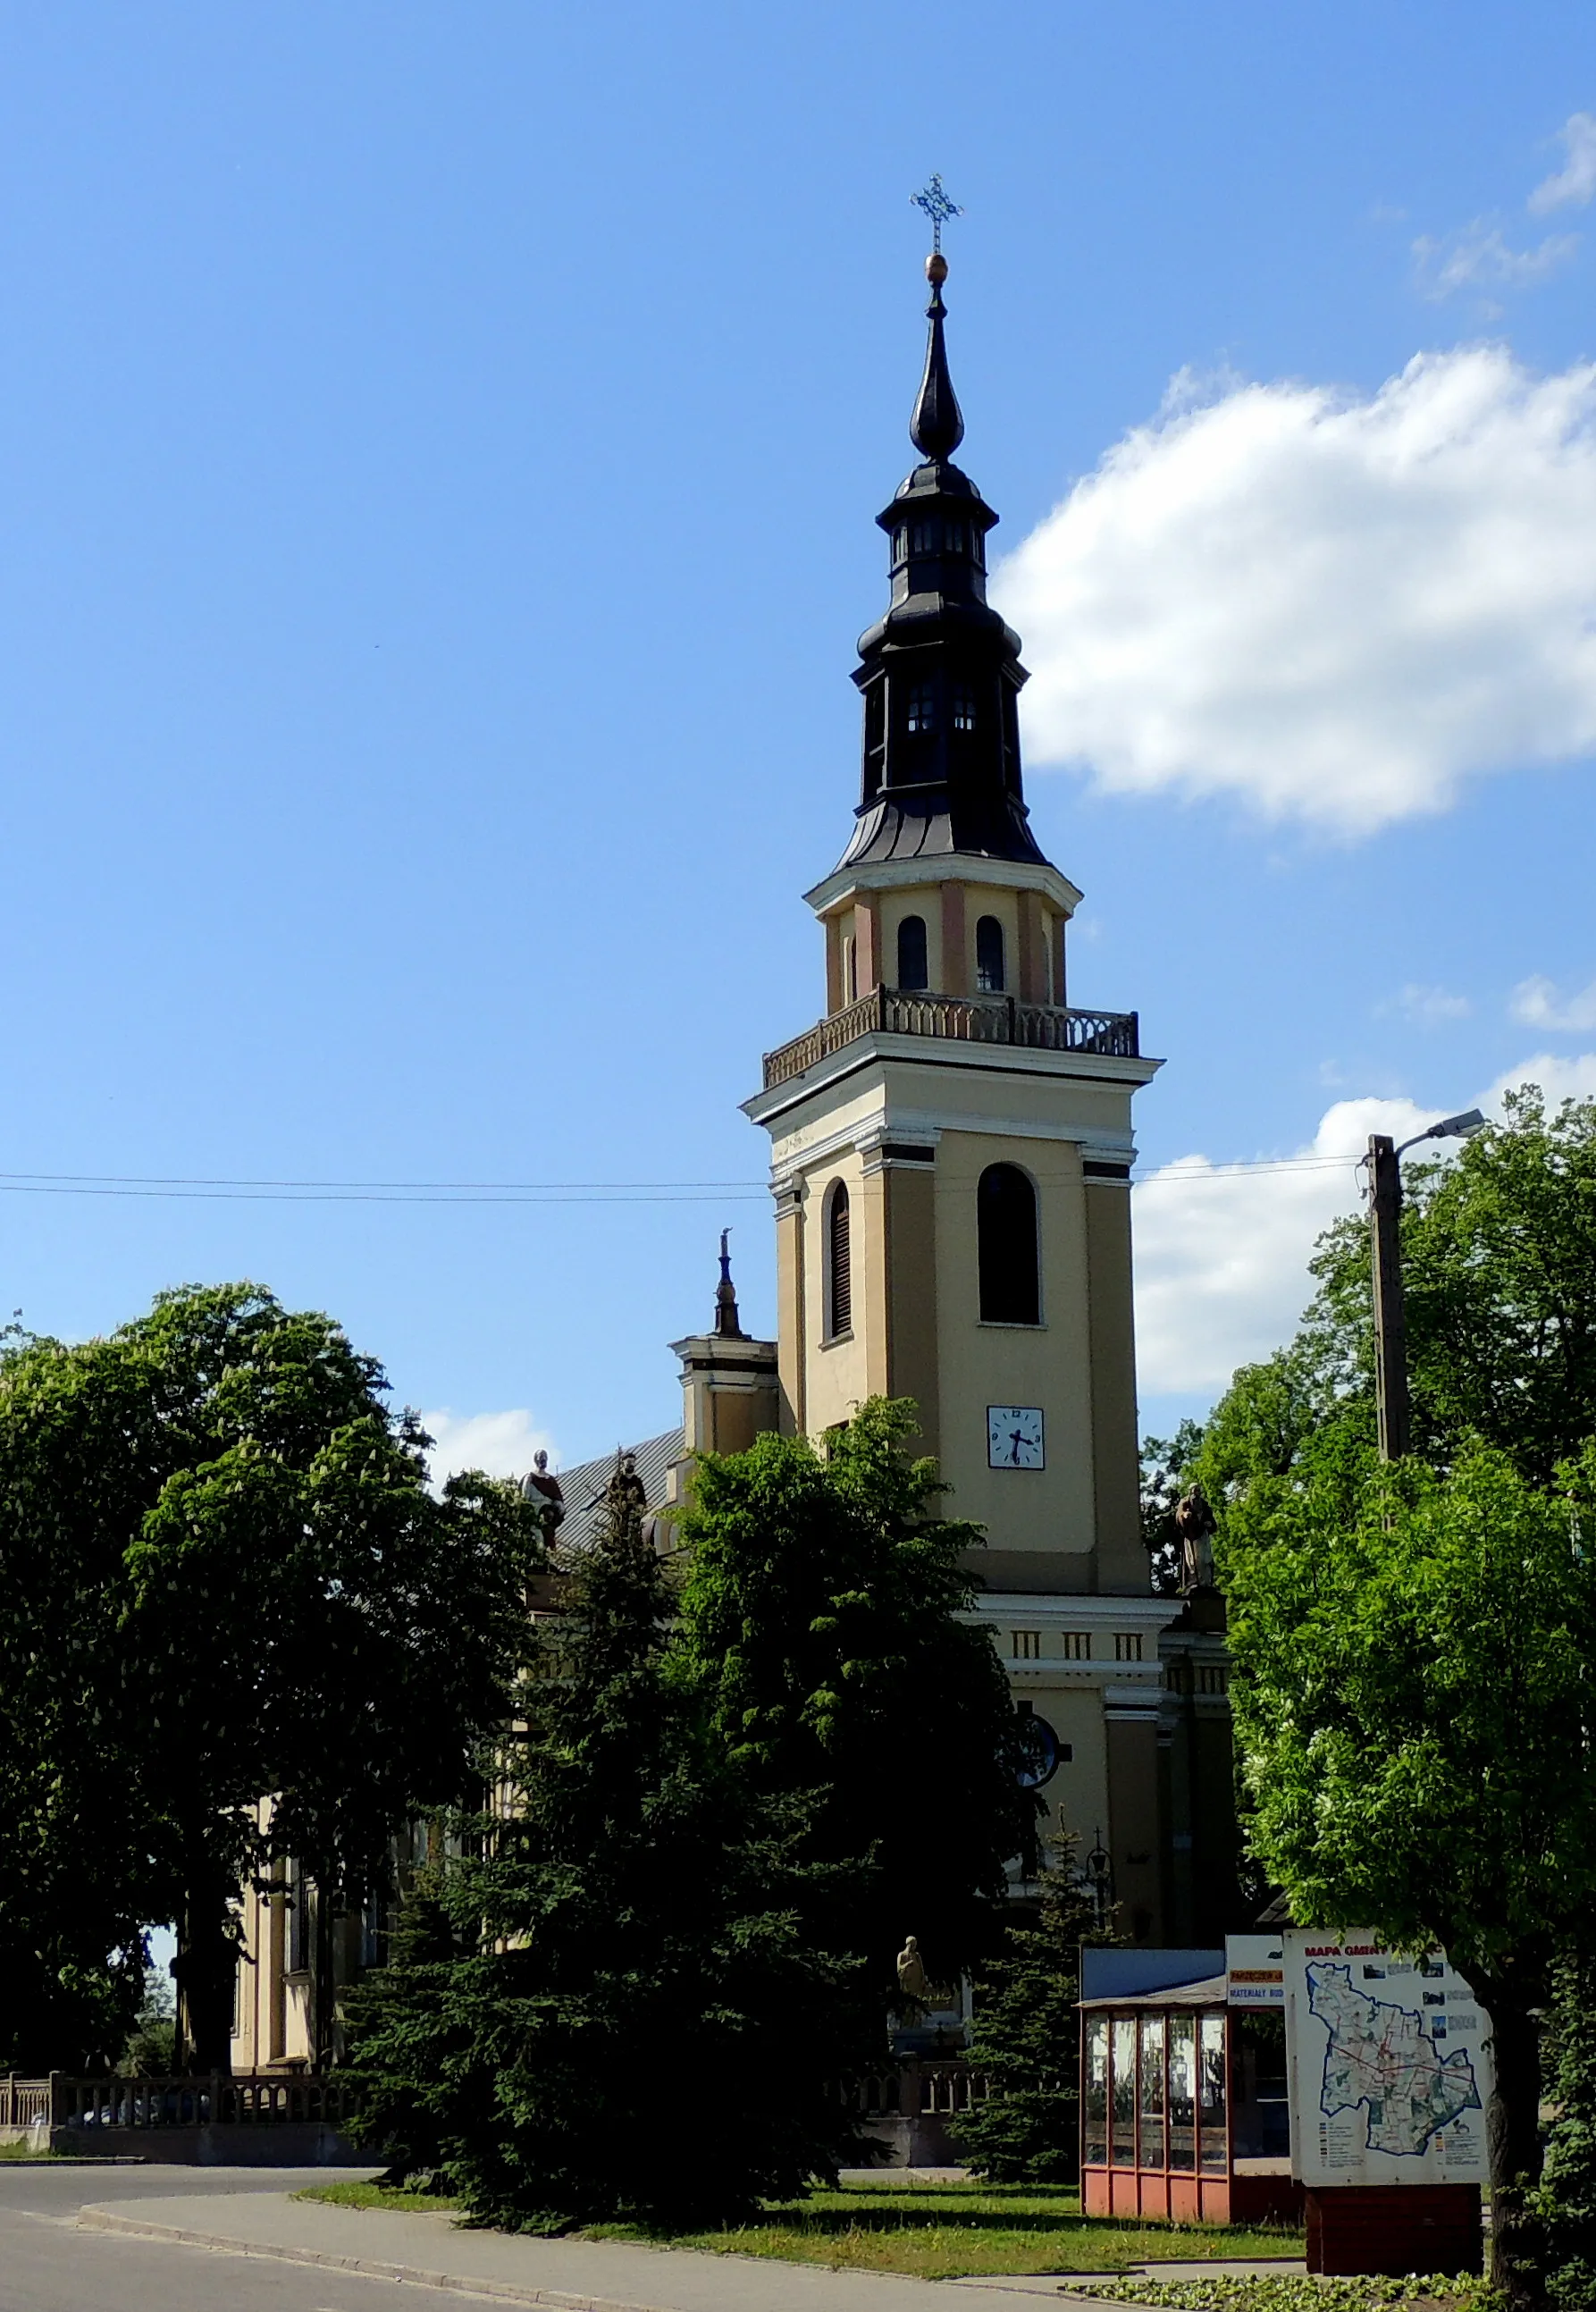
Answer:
(1016, 1438)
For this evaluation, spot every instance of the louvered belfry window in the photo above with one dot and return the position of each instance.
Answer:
(839, 1266)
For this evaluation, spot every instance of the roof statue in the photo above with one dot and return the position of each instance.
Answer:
(540, 1485)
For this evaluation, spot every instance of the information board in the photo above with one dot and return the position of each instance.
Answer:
(1388, 2064)
(1254, 1971)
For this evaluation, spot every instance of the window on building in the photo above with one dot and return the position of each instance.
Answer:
(953, 538)
(850, 971)
(1128, 1645)
(839, 1268)
(964, 707)
(899, 542)
(297, 1901)
(1027, 1644)
(923, 538)
(990, 976)
(912, 968)
(1007, 1233)
(922, 708)
(1077, 1645)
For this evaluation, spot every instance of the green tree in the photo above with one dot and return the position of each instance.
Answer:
(1027, 2040)
(1568, 2196)
(223, 1578)
(637, 2023)
(827, 1619)
(151, 2051)
(1499, 1271)
(1415, 1657)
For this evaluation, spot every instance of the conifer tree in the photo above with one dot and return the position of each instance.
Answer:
(637, 2025)
(830, 1620)
(1026, 2039)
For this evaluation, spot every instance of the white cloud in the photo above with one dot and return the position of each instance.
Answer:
(1222, 1257)
(1575, 181)
(502, 1443)
(1427, 1007)
(1333, 608)
(1538, 1001)
(1479, 257)
(1573, 1077)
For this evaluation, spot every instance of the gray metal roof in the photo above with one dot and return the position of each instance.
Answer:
(583, 1484)
(1208, 1993)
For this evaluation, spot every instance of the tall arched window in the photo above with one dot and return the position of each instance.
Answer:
(1005, 1226)
(911, 953)
(990, 978)
(839, 1263)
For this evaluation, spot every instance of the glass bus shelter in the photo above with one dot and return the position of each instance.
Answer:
(1159, 2072)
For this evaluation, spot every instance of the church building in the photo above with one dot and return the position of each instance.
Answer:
(951, 1147)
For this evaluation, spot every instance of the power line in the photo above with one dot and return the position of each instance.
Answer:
(1183, 1172)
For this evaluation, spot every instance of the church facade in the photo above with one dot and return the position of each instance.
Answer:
(951, 1147)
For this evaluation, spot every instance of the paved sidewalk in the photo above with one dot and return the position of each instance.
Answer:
(579, 2275)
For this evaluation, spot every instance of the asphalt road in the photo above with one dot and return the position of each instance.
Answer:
(46, 2265)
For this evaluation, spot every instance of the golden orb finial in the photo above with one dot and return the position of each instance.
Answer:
(936, 269)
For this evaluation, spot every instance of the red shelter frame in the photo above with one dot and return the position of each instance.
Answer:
(1156, 2114)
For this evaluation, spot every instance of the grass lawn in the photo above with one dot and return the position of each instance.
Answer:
(935, 2231)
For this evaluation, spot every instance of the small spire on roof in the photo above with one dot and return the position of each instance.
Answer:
(728, 1324)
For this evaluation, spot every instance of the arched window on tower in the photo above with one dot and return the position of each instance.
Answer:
(1006, 1235)
(839, 1263)
(990, 978)
(912, 968)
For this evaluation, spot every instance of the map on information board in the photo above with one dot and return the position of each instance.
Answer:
(1390, 2063)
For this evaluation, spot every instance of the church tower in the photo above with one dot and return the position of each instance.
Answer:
(951, 1150)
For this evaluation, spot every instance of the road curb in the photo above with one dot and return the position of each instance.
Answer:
(108, 2220)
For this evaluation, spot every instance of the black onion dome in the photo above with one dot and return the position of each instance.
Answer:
(940, 671)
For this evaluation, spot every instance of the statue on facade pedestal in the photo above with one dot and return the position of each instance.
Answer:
(912, 1979)
(539, 1486)
(1195, 1525)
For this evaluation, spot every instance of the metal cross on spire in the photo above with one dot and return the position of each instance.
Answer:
(938, 207)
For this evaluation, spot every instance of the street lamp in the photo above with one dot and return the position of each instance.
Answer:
(1390, 1327)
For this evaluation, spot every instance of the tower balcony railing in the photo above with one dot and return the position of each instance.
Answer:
(961, 1020)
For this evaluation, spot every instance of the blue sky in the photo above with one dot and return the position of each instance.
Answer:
(437, 452)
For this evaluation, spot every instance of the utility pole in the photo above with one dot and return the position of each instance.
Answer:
(1391, 1409)
(1390, 1324)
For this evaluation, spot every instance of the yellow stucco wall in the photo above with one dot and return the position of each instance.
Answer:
(1046, 1365)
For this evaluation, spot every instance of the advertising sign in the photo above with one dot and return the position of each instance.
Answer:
(1389, 2061)
(1254, 1974)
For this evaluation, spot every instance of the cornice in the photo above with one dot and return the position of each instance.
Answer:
(838, 888)
(943, 1052)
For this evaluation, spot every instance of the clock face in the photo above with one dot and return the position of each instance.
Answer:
(1014, 1437)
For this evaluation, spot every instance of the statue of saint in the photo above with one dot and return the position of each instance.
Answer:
(539, 1486)
(625, 1492)
(1195, 1525)
(912, 1979)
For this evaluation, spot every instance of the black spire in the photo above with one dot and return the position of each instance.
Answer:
(728, 1324)
(941, 672)
(937, 426)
